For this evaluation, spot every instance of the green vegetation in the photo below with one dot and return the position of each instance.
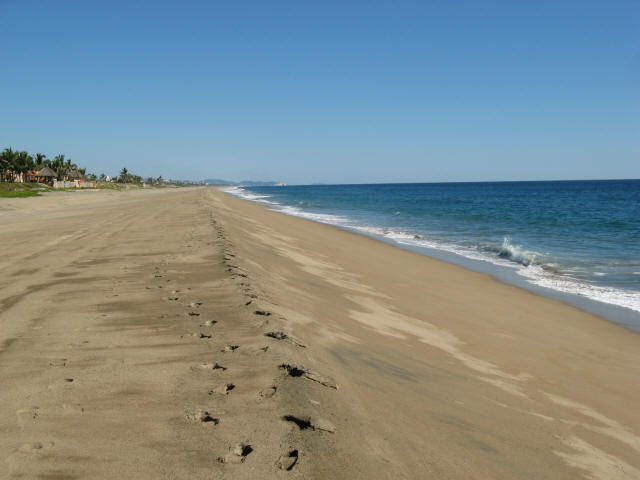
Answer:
(18, 168)
(15, 165)
(11, 189)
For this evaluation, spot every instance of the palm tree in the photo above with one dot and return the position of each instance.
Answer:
(57, 164)
(6, 163)
(41, 159)
(22, 163)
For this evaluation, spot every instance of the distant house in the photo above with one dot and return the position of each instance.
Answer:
(70, 174)
(44, 175)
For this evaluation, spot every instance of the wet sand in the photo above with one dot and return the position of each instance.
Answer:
(182, 333)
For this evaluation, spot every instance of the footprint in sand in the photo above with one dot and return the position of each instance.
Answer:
(237, 454)
(27, 414)
(278, 335)
(262, 312)
(58, 362)
(203, 335)
(230, 348)
(223, 389)
(288, 460)
(35, 447)
(308, 423)
(206, 366)
(268, 392)
(300, 371)
(202, 416)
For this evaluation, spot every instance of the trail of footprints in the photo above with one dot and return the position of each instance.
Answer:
(238, 453)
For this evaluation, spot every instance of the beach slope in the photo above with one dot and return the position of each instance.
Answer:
(183, 333)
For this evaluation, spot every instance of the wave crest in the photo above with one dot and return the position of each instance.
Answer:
(516, 253)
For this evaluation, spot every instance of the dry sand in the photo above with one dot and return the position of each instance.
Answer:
(120, 313)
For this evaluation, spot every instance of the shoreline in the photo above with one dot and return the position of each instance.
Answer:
(619, 315)
(352, 359)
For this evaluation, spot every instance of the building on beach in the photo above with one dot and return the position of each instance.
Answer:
(44, 175)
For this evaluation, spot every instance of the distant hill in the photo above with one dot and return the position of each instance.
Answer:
(248, 183)
(217, 181)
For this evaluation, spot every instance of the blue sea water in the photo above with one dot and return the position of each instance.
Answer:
(581, 238)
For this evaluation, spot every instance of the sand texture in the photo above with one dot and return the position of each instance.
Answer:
(183, 333)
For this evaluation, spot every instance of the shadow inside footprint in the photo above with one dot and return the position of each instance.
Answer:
(222, 389)
(237, 454)
(277, 335)
(287, 461)
(305, 423)
(293, 370)
(202, 417)
(262, 312)
(206, 418)
(302, 423)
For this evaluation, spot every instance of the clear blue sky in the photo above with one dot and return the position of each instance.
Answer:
(338, 92)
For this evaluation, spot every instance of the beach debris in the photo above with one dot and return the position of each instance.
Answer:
(288, 460)
(237, 454)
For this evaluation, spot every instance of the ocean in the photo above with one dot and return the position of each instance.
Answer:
(578, 241)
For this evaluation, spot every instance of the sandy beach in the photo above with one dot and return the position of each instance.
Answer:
(183, 333)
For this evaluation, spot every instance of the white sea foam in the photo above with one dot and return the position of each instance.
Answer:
(614, 296)
(506, 255)
(242, 193)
